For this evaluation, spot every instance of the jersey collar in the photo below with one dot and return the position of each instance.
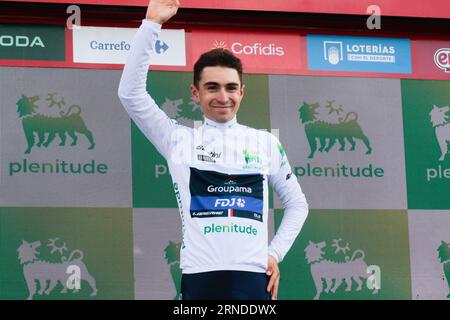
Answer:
(220, 125)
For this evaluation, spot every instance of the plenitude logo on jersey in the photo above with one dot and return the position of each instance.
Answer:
(359, 54)
(112, 45)
(215, 194)
(339, 130)
(55, 125)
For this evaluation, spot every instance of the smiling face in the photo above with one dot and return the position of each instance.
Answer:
(219, 93)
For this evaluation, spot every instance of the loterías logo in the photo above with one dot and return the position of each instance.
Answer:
(251, 49)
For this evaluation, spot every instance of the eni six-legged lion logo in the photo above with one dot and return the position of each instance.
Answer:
(439, 119)
(444, 258)
(49, 274)
(172, 255)
(328, 133)
(334, 272)
(47, 127)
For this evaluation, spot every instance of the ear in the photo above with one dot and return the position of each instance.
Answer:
(242, 90)
(195, 94)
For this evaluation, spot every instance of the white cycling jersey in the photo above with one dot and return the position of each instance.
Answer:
(220, 174)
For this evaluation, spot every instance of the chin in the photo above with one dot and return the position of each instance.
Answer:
(223, 117)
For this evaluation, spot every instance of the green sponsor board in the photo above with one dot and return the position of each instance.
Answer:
(32, 42)
(172, 256)
(66, 253)
(348, 254)
(336, 132)
(429, 240)
(444, 257)
(57, 132)
(427, 143)
(152, 185)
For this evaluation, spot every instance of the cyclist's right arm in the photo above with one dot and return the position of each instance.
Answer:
(151, 120)
(141, 107)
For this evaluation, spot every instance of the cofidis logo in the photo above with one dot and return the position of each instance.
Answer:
(359, 54)
(252, 49)
(259, 51)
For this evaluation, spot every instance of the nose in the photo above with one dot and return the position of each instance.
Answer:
(222, 96)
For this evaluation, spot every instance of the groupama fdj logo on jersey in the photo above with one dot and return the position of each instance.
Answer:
(334, 129)
(54, 126)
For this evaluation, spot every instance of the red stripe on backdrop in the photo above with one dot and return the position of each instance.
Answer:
(423, 52)
(62, 64)
(411, 8)
(431, 59)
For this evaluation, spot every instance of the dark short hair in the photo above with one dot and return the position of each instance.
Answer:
(217, 58)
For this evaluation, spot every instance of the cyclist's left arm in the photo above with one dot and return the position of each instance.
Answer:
(294, 203)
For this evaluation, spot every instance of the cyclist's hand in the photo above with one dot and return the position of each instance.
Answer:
(160, 11)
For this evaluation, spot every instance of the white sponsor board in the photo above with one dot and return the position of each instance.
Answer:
(111, 46)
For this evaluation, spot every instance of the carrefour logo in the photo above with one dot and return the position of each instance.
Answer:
(223, 203)
(257, 48)
(228, 189)
(442, 59)
(117, 46)
(160, 46)
(112, 46)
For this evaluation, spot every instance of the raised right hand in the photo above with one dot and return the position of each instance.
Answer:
(160, 11)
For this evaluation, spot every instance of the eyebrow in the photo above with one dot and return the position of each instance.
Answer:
(212, 83)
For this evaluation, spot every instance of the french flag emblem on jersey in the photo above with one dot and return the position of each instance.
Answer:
(231, 212)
